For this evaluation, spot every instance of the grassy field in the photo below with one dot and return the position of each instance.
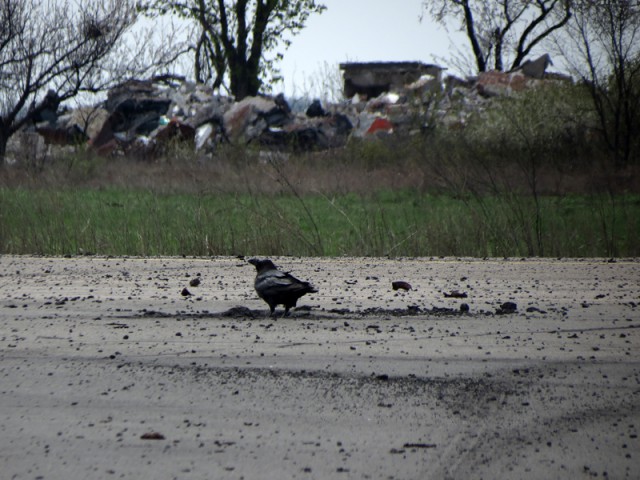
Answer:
(405, 222)
(524, 178)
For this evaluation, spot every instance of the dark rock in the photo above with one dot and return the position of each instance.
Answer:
(401, 285)
(535, 309)
(455, 294)
(315, 110)
(238, 312)
(419, 445)
(507, 307)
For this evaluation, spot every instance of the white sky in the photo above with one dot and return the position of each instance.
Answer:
(363, 31)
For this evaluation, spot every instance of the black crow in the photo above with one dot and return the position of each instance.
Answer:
(278, 288)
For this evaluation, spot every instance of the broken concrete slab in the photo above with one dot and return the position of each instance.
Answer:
(494, 83)
(536, 68)
(374, 78)
(247, 117)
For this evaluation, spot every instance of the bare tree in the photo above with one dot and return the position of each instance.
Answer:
(602, 48)
(502, 30)
(51, 51)
(237, 37)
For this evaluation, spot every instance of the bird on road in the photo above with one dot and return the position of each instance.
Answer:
(278, 288)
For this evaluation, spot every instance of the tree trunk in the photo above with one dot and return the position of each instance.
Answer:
(244, 79)
(4, 139)
(498, 54)
(481, 62)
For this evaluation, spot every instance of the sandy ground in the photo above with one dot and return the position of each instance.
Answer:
(108, 371)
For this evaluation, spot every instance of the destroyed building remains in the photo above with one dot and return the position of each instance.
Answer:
(140, 117)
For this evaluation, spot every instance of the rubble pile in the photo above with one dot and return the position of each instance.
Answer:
(140, 117)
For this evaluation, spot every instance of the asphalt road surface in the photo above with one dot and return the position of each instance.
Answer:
(110, 369)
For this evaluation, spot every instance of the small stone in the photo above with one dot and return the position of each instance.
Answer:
(401, 285)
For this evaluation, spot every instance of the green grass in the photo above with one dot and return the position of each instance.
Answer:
(521, 178)
(406, 222)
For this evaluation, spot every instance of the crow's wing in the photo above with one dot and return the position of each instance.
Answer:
(275, 282)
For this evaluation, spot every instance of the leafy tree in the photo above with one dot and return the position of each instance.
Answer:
(602, 48)
(500, 30)
(62, 49)
(235, 37)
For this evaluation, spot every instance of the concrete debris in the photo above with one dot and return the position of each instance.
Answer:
(369, 124)
(249, 117)
(47, 110)
(204, 136)
(143, 117)
(536, 68)
(493, 84)
(60, 134)
(374, 78)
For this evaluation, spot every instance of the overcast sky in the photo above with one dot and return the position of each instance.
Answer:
(363, 31)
